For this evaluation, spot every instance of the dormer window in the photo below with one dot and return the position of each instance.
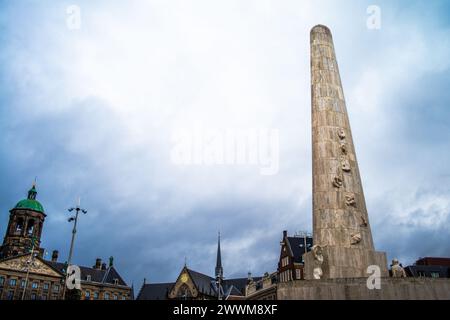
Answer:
(116, 281)
(88, 278)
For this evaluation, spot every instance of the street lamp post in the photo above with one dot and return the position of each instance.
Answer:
(74, 231)
(29, 264)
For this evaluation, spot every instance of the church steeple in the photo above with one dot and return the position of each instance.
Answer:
(219, 269)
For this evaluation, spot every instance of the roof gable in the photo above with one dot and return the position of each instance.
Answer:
(21, 263)
(185, 280)
(112, 275)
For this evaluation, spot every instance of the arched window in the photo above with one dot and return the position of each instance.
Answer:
(19, 225)
(30, 227)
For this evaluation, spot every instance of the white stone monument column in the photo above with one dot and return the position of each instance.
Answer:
(340, 221)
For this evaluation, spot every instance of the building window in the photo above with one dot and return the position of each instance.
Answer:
(106, 296)
(95, 295)
(33, 296)
(56, 288)
(30, 227)
(2, 281)
(124, 297)
(12, 282)
(87, 295)
(421, 273)
(435, 274)
(115, 297)
(44, 297)
(10, 295)
(46, 286)
(116, 281)
(88, 278)
(35, 285)
(22, 284)
(298, 274)
(19, 225)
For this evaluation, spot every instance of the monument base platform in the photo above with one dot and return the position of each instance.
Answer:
(356, 289)
(346, 263)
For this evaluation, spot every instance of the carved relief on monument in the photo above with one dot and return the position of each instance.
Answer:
(338, 182)
(341, 134)
(318, 261)
(345, 164)
(350, 200)
(355, 238)
(364, 222)
(343, 148)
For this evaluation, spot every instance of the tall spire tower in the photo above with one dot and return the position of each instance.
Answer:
(340, 220)
(219, 269)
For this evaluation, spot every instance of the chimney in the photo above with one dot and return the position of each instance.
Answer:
(98, 264)
(103, 266)
(55, 255)
(284, 234)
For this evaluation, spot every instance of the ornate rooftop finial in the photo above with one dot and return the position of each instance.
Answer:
(32, 192)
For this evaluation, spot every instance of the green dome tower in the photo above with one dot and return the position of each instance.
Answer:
(26, 220)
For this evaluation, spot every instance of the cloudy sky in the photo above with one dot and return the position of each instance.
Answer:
(94, 108)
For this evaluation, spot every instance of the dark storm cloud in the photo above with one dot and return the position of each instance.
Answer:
(92, 112)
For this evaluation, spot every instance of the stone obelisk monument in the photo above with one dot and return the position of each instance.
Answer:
(344, 245)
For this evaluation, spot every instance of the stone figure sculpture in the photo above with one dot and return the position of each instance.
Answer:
(355, 238)
(364, 222)
(350, 200)
(345, 165)
(318, 261)
(343, 147)
(397, 271)
(337, 182)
